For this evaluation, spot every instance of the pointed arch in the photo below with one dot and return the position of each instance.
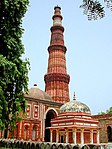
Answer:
(50, 109)
(49, 114)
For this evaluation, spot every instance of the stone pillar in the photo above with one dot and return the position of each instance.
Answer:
(66, 136)
(57, 136)
(51, 135)
(74, 136)
(91, 136)
(82, 136)
(30, 131)
(38, 132)
(98, 137)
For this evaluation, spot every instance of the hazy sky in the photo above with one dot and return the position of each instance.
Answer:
(89, 50)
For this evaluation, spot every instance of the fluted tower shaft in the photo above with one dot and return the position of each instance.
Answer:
(57, 79)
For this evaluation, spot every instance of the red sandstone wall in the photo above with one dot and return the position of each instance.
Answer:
(105, 120)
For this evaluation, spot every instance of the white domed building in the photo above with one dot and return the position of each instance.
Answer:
(74, 124)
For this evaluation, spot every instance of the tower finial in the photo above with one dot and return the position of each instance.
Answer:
(57, 7)
(74, 97)
(57, 18)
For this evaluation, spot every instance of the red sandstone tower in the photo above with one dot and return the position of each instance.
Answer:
(57, 79)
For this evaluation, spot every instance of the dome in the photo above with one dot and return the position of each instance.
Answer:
(75, 106)
(36, 93)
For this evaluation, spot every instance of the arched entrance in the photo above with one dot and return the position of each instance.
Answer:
(109, 133)
(50, 115)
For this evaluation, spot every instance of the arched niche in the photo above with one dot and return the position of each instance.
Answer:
(34, 133)
(109, 133)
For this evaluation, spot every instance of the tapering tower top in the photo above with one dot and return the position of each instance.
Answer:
(56, 79)
(57, 18)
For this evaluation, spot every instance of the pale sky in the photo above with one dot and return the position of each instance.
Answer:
(89, 50)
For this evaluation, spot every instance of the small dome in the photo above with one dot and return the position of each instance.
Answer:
(75, 106)
(36, 93)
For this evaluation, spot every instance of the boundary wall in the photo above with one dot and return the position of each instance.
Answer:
(19, 144)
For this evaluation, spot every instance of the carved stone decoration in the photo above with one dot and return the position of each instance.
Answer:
(56, 72)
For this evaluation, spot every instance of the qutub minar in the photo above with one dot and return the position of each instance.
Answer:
(57, 79)
(50, 115)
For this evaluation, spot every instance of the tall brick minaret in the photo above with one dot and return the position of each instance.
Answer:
(57, 79)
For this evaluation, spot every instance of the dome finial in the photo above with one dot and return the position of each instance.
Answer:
(74, 97)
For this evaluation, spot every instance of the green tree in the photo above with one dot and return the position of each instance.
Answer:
(109, 111)
(94, 9)
(13, 70)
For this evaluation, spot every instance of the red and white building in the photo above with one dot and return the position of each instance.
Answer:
(74, 124)
(40, 110)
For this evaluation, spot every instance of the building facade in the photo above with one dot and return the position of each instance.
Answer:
(105, 124)
(40, 110)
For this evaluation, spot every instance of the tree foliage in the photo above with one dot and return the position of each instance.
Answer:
(94, 9)
(13, 70)
(109, 111)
